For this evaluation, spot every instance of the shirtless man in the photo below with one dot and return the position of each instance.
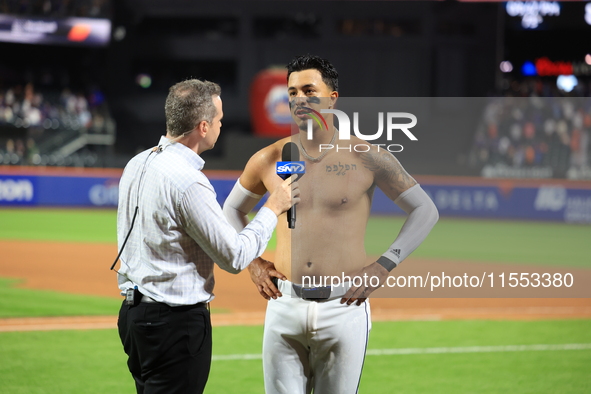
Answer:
(314, 339)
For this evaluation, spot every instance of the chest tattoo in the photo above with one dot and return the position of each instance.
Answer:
(340, 169)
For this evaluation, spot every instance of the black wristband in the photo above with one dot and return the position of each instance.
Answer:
(386, 263)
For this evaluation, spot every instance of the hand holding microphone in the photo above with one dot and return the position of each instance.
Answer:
(288, 166)
(284, 197)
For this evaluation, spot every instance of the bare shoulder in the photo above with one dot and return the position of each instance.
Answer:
(269, 154)
(389, 175)
(259, 166)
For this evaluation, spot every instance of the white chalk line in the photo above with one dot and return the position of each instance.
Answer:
(437, 350)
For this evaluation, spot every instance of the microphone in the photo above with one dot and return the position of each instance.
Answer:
(288, 166)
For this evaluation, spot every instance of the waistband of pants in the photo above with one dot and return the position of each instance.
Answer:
(310, 293)
(149, 300)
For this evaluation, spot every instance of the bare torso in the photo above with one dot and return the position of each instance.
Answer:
(332, 216)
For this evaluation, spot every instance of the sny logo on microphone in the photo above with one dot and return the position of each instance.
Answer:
(290, 167)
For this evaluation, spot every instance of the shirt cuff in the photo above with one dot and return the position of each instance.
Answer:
(267, 217)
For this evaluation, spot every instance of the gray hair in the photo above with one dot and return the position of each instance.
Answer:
(189, 103)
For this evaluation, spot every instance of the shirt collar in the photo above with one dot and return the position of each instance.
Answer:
(193, 158)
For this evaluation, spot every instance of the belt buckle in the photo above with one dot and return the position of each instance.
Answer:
(315, 293)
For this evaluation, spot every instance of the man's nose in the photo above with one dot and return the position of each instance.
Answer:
(299, 99)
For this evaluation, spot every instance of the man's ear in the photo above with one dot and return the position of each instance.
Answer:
(202, 128)
(333, 98)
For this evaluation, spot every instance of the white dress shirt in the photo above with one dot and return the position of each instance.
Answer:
(180, 230)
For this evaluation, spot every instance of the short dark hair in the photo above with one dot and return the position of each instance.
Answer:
(330, 76)
(188, 103)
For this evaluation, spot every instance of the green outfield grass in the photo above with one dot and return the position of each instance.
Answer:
(94, 362)
(563, 371)
(69, 225)
(493, 241)
(496, 241)
(18, 302)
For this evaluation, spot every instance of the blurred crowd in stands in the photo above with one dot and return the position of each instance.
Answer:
(535, 130)
(57, 8)
(23, 106)
(33, 123)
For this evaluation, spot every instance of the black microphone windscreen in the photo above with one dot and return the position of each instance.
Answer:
(290, 152)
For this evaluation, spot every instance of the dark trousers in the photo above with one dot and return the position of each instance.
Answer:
(169, 348)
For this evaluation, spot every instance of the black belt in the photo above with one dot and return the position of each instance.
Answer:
(182, 308)
(149, 300)
(312, 293)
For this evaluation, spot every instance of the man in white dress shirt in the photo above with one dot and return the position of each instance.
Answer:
(171, 231)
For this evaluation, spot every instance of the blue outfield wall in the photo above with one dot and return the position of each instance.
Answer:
(544, 202)
(454, 196)
(58, 191)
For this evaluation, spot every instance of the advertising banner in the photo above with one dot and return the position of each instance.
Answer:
(453, 196)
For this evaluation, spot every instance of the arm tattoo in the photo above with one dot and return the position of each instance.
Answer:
(388, 172)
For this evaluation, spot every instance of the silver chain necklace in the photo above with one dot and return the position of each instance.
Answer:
(317, 159)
